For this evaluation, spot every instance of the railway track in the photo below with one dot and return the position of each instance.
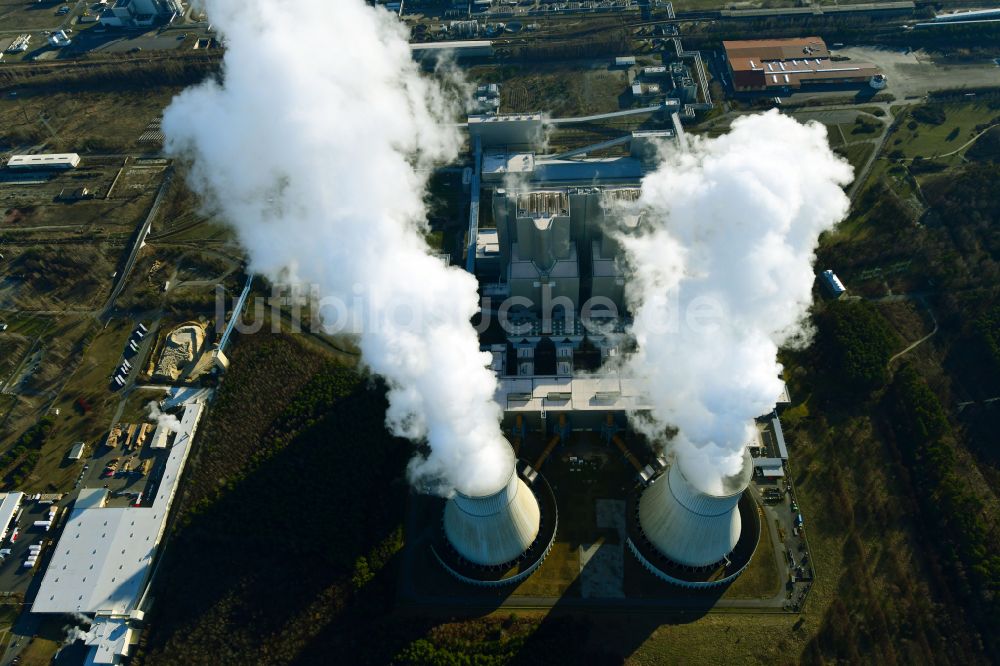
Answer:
(16, 74)
(173, 231)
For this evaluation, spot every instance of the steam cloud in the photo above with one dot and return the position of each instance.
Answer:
(74, 632)
(723, 277)
(168, 421)
(316, 147)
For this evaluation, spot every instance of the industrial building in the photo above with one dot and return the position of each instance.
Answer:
(772, 65)
(556, 319)
(44, 161)
(432, 51)
(102, 563)
(141, 13)
(833, 284)
(10, 504)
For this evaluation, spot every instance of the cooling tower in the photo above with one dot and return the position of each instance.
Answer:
(688, 526)
(493, 530)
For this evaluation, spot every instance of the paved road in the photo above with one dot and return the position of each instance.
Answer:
(862, 175)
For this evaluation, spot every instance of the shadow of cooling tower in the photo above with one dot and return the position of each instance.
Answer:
(580, 625)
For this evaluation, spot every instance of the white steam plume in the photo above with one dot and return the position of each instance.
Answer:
(79, 631)
(168, 421)
(723, 277)
(316, 147)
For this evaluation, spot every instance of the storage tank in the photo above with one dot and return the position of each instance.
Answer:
(495, 529)
(691, 527)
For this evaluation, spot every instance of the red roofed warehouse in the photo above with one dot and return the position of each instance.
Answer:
(779, 64)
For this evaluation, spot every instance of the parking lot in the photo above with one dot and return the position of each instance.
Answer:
(780, 512)
(14, 576)
(123, 488)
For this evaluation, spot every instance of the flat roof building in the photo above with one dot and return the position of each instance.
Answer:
(520, 130)
(9, 504)
(783, 64)
(160, 436)
(833, 283)
(76, 452)
(769, 468)
(460, 49)
(109, 639)
(44, 161)
(102, 560)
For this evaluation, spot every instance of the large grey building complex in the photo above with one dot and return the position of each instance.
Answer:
(558, 246)
(552, 270)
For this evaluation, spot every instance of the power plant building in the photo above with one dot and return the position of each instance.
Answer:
(788, 64)
(524, 130)
(551, 270)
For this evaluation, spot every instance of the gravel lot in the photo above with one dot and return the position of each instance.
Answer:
(915, 73)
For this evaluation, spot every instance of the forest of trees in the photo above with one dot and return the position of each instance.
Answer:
(855, 343)
(294, 513)
(911, 477)
(966, 539)
(20, 460)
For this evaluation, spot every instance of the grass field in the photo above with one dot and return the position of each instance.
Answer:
(67, 276)
(90, 382)
(934, 141)
(29, 16)
(894, 167)
(87, 219)
(761, 579)
(86, 121)
(856, 154)
(41, 649)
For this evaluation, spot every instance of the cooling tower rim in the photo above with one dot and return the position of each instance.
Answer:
(529, 561)
(740, 481)
(683, 502)
(486, 496)
(662, 566)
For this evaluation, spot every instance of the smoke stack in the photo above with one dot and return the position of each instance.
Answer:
(689, 526)
(493, 530)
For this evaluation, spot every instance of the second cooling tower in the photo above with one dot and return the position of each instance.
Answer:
(692, 528)
(493, 530)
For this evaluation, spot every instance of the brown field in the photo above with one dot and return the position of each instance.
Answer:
(87, 121)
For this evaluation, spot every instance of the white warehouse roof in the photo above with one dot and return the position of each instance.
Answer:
(101, 562)
(49, 159)
(9, 505)
(109, 639)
